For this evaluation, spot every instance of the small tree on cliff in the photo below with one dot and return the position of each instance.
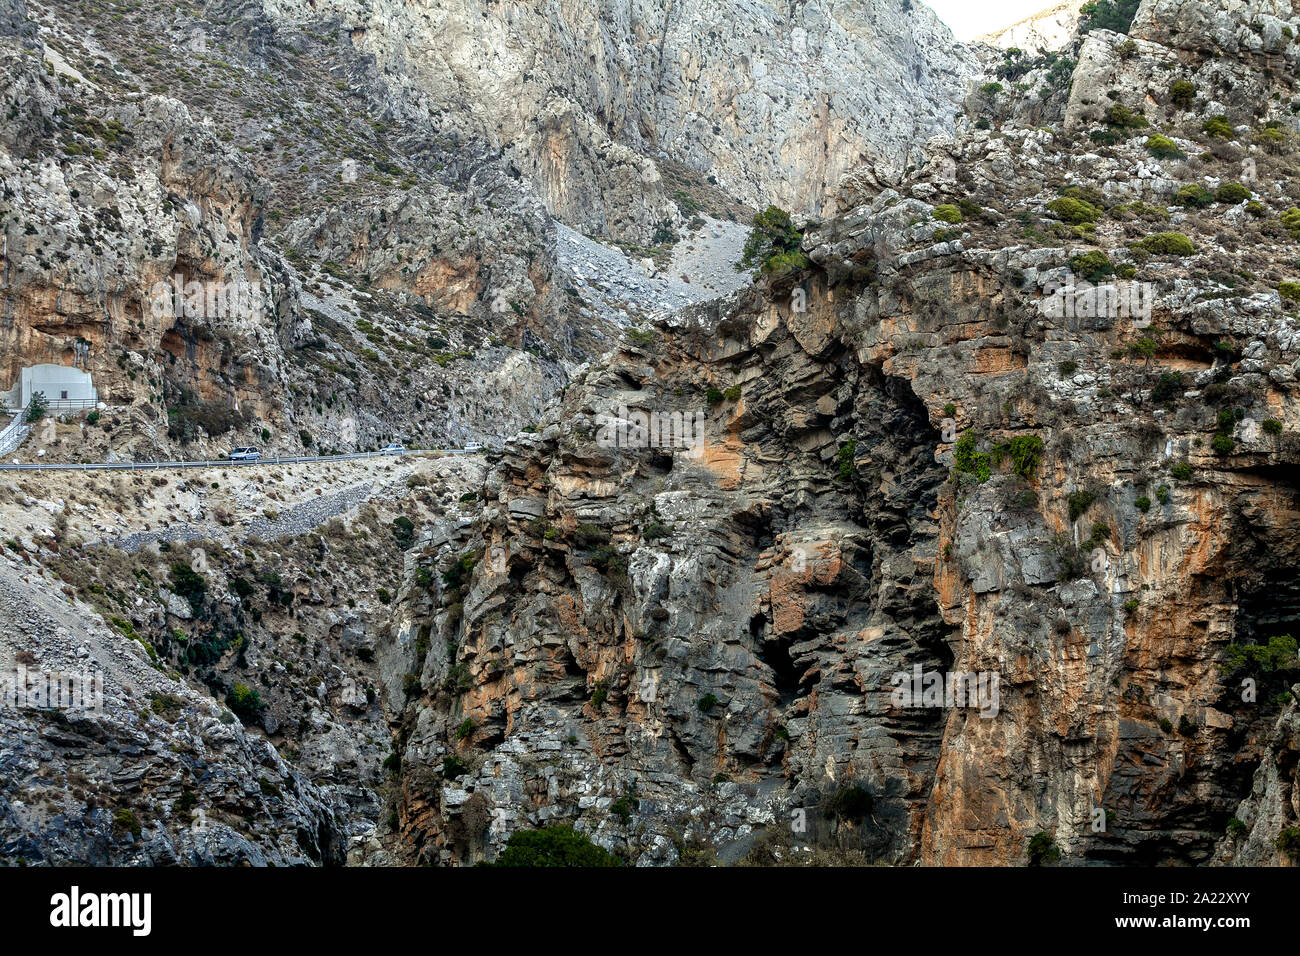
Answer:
(773, 245)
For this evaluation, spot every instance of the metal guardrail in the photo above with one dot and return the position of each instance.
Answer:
(221, 462)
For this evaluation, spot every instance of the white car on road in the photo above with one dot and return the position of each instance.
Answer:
(473, 447)
(393, 449)
(245, 454)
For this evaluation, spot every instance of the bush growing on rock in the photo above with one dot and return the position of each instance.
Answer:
(1279, 654)
(1025, 453)
(773, 245)
(1183, 93)
(1120, 116)
(1093, 266)
(1114, 15)
(404, 531)
(965, 458)
(553, 846)
(189, 584)
(1218, 127)
(1291, 221)
(1232, 193)
(1074, 211)
(1167, 244)
(1162, 147)
(1194, 196)
(1289, 290)
(1043, 849)
(948, 213)
(245, 702)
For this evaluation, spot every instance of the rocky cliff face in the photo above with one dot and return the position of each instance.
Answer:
(1028, 415)
(918, 454)
(774, 102)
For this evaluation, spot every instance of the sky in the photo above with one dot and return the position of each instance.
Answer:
(970, 18)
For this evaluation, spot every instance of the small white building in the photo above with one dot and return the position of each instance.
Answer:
(62, 385)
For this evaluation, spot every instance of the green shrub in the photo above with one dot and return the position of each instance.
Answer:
(553, 846)
(1143, 503)
(1114, 15)
(1043, 848)
(1162, 147)
(1167, 244)
(1291, 221)
(773, 245)
(37, 406)
(1237, 829)
(453, 767)
(1279, 654)
(1080, 501)
(622, 808)
(948, 213)
(707, 703)
(245, 702)
(1290, 290)
(1074, 211)
(1093, 265)
(466, 729)
(1182, 471)
(458, 573)
(404, 531)
(966, 459)
(1223, 444)
(189, 584)
(126, 821)
(1271, 426)
(1194, 196)
(991, 89)
(1232, 193)
(1067, 368)
(1218, 126)
(844, 458)
(1025, 452)
(1121, 117)
(1169, 386)
(1183, 93)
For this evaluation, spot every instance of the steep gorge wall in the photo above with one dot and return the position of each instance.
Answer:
(775, 102)
(681, 654)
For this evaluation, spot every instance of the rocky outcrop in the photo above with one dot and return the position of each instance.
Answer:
(584, 101)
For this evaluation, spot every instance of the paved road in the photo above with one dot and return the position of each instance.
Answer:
(219, 462)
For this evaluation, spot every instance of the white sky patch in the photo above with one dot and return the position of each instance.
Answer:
(971, 18)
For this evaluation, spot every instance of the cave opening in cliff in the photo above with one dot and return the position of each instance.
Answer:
(775, 653)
